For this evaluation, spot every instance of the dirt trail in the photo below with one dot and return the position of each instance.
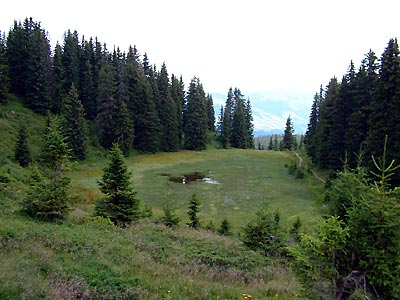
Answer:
(300, 159)
(312, 171)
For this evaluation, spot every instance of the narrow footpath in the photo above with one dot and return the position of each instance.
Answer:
(312, 171)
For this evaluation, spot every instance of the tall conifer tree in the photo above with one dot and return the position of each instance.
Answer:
(178, 96)
(363, 90)
(288, 138)
(239, 135)
(70, 60)
(249, 125)
(74, 123)
(86, 88)
(29, 64)
(18, 53)
(39, 89)
(4, 80)
(114, 122)
(385, 106)
(329, 153)
(210, 113)
(196, 126)
(58, 76)
(312, 127)
(22, 152)
(121, 204)
(142, 106)
(168, 113)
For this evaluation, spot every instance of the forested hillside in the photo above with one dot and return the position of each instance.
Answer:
(353, 115)
(121, 95)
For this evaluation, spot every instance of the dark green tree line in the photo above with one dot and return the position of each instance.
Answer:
(121, 93)
(358, 112)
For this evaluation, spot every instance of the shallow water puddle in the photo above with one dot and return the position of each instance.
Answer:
(190, 177)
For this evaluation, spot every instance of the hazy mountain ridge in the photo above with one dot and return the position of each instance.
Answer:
(272, 108)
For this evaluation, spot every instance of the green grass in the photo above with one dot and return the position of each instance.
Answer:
(12, 114)
(87, 258)
(248, 179)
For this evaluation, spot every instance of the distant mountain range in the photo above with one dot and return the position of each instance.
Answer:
(272, 108)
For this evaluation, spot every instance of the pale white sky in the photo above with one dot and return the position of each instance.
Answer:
(256, 45)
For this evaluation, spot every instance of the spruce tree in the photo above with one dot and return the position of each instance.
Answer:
(270, 144)
(240, 130)
(249, 125)
(48, 195)
(4, 80)
(178, 95)
(55, 152)
(330, 138)
(196, 125)
(58, 76)
(225, 228)
(39, 84)
(121, 204)
(141, 105)
(384, 117)
(74, 123)
(263, 233)
(310, 138)
(106, 104)
(364, 88)
(276, 143)
(168, 113)
(86, 88)
(210, 113)
(169, 219)
(222, 139)
(29, 64)
(114, 122)
(288, 138)
(194, 209)
(226, 128)
(18, 55)
(22, 152)
(70, 60)
(123, 124)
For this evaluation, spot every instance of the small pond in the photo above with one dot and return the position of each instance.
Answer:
(190, 177)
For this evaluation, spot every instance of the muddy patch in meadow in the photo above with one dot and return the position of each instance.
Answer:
(190, 177)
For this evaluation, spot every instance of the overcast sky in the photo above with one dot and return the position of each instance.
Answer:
(256, 45)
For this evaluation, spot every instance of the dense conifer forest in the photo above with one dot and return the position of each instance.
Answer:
(121, 95)
(352, 115)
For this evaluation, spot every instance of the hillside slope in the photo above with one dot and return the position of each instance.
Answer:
(84, 257)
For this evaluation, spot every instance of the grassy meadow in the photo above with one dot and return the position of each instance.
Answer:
(247, 180)
(83, 257)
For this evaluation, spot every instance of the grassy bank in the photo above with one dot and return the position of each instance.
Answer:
(88, 259)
